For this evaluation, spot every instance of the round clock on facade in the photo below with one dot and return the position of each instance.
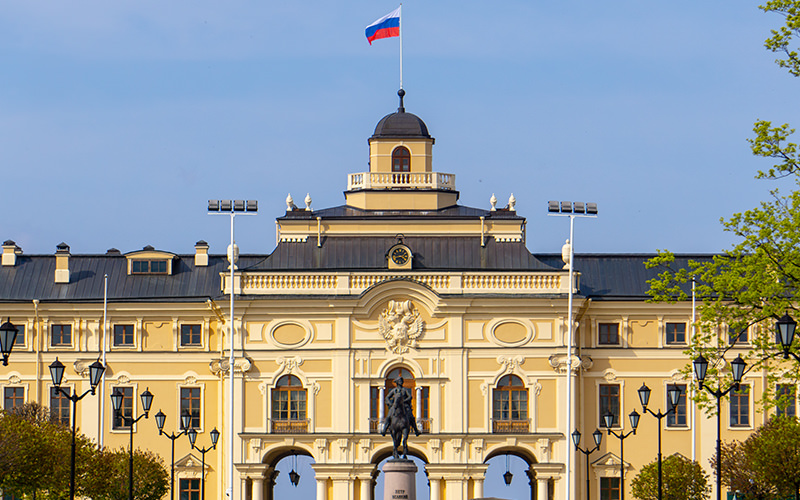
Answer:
(399, 256)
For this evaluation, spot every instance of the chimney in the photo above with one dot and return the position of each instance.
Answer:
(201, 254)
(10, 252)
(62, 263)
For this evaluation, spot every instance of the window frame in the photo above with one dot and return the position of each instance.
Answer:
(137, 266)
(602, 338)
(507, 385)
(397, 154)
(189, 485)
(128, 407)
(13, 398)
(609, 488)
(682, 403)
(124, 326)
(793, 397)
(278, 410)
(674, 341)
(191, 326)
(64, 404)
(62, 328)
(611, 397)
(742, 410)
(191, 399)
(20, 341)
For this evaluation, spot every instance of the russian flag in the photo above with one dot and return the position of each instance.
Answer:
(385, 27)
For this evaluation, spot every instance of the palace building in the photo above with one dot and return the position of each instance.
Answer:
(399, 280)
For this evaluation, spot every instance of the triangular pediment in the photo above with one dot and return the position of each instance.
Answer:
(610, 461)
(189, 461)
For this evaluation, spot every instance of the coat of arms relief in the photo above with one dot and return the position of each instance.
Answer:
(401, 326)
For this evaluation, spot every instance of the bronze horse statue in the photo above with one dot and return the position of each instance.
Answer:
(398, 423)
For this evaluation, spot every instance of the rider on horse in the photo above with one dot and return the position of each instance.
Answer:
(405, 396)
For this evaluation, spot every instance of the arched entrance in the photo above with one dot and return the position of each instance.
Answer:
(511, 474)
(274, 481)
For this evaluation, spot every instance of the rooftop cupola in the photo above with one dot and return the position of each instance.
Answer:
(401, 175)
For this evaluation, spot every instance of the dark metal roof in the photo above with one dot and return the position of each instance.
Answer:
(448, 253)
(603, 276)
(455, 212)
(617, 276)
(401, 124)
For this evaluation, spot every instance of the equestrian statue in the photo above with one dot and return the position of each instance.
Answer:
(400, 418)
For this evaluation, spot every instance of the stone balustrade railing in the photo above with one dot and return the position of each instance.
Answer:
(395, 180)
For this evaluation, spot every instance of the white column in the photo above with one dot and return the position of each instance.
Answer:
(322, 489)
(436, 489)
(541, 488)
(258, 488)
(478, 487)
(419, 406)
(366, 488)
(244, 488)
(381, 405)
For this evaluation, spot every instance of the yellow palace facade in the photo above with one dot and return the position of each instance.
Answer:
(400, 280)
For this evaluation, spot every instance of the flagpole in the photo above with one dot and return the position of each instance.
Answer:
(401, 45)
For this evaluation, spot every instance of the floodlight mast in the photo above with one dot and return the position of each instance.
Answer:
(232, 208)
(571, 210)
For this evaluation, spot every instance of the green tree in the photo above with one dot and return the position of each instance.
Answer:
(683, 479)
(109, 478)
(737, 474)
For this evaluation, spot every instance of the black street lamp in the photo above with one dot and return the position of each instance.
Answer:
(116, 403)
(192, 433)
(784, 329)
(96, 370)
(8, 335)
(608, 421)
(186, 422)
(576, 440)
(294, 477)
(700, 366)
(673, 397)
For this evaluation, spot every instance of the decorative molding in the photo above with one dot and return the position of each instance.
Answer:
(544, 449)
(401, 326)
(241, 365)
(14, 379)
(190, 380)
(289, 363)
(559, 363)
(510, 363)
(610, 375)
(608, 465)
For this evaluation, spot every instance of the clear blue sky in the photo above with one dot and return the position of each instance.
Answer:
(121, 119)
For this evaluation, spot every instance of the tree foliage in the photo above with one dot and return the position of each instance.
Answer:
(35, 461)
(781, 39)
(683, 479)
(767, 464)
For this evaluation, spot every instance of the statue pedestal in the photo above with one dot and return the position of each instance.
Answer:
(399, 480)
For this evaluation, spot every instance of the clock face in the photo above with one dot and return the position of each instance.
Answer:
(400, 256)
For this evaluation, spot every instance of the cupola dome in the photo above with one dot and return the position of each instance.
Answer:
(401, 124)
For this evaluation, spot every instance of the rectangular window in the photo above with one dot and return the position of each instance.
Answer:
(59, 405)
(738, 338)
(609, 402)
(189, 489)
(190, 402)
(786, 400)
(678, 417)
(676, 333)
(13, 397)
(740, 407)
(190, 335)
(374, 409)
(609, 488)
(123, 335)
(608, 334)
(61, 335)
(149, 267)
(20, 340)
(122, 422)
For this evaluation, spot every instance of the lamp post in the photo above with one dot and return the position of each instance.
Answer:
(231, 208)
(700, 366)
(8, 335)
(96, 370)
(192, 433)
(576, 440)
(608, 421)
(116, 403)
(673, 397)
(571, 210)
(784, 329)
(186, 421)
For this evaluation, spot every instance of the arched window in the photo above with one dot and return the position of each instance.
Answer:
(401, 160)
(289, 406)
(510, 406)
(418, 398)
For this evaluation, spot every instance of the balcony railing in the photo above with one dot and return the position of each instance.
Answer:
(423, 424)
(510, 426)
(289, 426)
(401, 180)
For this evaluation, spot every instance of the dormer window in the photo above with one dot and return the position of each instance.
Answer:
(401, 160)
(149, 267)
(150, 261)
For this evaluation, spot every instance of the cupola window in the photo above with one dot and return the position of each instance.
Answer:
(401, 160)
